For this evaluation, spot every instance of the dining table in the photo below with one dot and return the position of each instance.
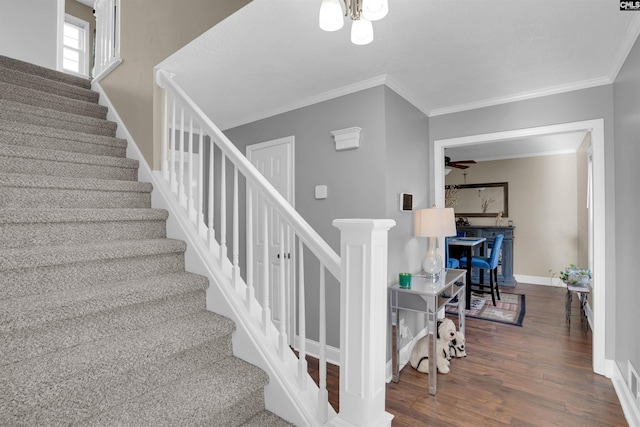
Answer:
(469, 246)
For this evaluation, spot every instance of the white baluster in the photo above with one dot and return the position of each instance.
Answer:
(200, 221)
(223, 208)
(282, 335)
(323, 395)
(181, 183)
(173, 182)
(302, 322)
(236, 250)
(266, 311)
(190, 202)
(211, 238)
(249, 267)
(165, 129)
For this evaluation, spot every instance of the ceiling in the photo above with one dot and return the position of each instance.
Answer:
(441, 55)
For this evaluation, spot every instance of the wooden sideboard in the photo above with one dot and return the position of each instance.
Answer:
(505, 269)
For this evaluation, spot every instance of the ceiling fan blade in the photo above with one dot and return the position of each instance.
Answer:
(473, 162)
(454, 165)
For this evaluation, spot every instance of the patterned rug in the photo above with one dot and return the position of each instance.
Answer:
(510, 309)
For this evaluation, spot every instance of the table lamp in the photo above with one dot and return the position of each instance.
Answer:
(433, 223)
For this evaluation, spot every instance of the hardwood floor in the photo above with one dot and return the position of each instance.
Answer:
(539, 374)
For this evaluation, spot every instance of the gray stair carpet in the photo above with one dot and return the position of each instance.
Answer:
(100, 324)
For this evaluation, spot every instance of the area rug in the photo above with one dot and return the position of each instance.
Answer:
(510, 309)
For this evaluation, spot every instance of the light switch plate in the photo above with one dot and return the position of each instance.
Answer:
(321, 192)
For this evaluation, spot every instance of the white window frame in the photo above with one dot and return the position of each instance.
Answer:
(83, 51)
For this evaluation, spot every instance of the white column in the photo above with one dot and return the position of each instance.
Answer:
(363, 322)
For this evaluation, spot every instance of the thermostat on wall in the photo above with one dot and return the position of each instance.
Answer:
(406, 202)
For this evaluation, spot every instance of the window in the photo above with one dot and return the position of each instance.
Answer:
(75, 52)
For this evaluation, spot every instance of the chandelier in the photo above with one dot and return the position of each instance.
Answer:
(361, 12)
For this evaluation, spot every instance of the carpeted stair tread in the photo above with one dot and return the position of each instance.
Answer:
(93, 377)
(29, 342)
(266, 418)
(228, 393)
(61, 182)
(31, 311)
(60, 139)
(37, 70)
(41, 280)
(38, 98)
(19, 78)
(21, 113)
(38, 161)
(39, 227)
(23, 258)
(21, 216)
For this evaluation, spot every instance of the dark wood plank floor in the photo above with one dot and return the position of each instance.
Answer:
(536, 375)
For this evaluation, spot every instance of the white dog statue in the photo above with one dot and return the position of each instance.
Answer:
(420, 354)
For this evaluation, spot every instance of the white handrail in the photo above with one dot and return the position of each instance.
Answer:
(309, 236)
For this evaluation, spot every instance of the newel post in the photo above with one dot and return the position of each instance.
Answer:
(363, 322)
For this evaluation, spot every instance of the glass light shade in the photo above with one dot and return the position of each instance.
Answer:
(373, 10)
(432, 262)
(331, 16)
(361, 32)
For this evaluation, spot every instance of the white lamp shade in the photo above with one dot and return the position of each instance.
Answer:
(434, 222)
(331, 15)
(373, 10)
(361, 32)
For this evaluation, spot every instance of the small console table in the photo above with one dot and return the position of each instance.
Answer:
(427, 297)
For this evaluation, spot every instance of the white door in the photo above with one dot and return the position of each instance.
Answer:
(274, 159)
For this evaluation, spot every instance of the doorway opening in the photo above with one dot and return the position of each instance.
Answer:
(596, 240)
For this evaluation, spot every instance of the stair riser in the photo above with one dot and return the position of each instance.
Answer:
(76, 170)
(98, 389)
(96, 127)
(29, 197)
(60, 144)
(58, 233)
(33, 281)
(36, 98)
(19, 78)
(64, 334)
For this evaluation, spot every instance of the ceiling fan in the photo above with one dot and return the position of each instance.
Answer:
(460, 164)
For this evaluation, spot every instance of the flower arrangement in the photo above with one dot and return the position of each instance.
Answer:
(574, 275)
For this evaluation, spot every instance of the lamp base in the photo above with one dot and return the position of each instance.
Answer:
(432, 262)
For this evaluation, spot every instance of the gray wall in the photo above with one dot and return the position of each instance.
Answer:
(586, 104)
(362, 183)
(626, 91)
(29, 31)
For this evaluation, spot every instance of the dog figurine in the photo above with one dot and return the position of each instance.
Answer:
(456, 346)
(420, 353)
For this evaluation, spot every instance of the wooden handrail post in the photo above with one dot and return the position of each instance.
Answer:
(363, 322)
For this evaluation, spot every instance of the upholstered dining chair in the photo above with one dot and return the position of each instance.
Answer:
(488, 263)
(451, 262)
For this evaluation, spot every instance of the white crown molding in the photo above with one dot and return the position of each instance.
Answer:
(625, 47)
(585, 84)
(406, 94)
(305, 102)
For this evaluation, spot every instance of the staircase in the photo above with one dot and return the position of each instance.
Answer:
(100, 324)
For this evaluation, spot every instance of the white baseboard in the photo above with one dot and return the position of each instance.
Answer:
(539, 280)
(627, 401)
(312, 348)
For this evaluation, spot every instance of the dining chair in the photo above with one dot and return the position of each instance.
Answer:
(450, 262)
(488, 263)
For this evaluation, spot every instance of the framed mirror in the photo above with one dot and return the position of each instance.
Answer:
(475, 200)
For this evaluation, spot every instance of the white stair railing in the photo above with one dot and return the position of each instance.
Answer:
(107, 41)
(194, 162)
